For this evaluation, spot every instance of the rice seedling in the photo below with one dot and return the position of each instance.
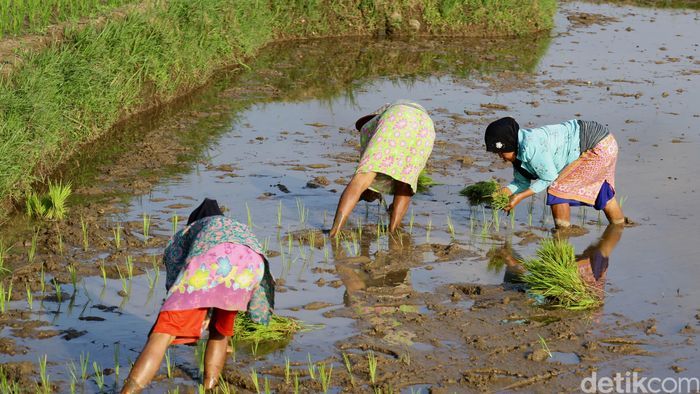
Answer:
(279, 215)
(116, 360)
(4, 250)
(5, 296)
(325, 376)
(311, 367)
(84, 230)
(372, 365)
(73, 372)
(151, 279)
(471, 223)
(117, 234)
(254, 378)
(348, 367)
(326, 252)
(411, 221)
(30, 298)
(296, 383)
(496, 222)
(7, 386)
(122, 279)
(553, 274)
(224, 386)
(428, 227)
(45, 384)
(31, 253)
(168, 365)
(84, 362)
(499, 200)
(146, 227)
(199, 352)
(512, 218)
(599, 221)
(302, 211)
(52, 205)
(174, 223)
(405, 358)
(290, 244)
(59, 293)
(480, 192)
(254, 348)
(103, 272)
(544, 345)
(622, 200)
(529, 219)
(130, 266)
(425, 182)
(99, 375)
(450, 226)
(73, 276)
(250, 217)
(287, 371)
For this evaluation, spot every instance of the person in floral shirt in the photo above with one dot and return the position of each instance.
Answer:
(396, 141)
(216, 266)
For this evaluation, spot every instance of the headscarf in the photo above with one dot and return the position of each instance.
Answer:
(208, 207)
(502, 135)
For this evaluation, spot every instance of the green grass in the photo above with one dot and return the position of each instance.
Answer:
(74, 90)
(480, 192)
(33, 16)
(553, 274)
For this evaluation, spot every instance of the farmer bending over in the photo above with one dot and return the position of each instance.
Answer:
(396, 141)
(575, 162)
(214, 265)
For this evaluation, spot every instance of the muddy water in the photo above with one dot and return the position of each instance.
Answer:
(255, 141)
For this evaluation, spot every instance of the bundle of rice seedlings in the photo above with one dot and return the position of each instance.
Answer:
(553, 275)
(51, 205)
(425, 181)
(499, 200)
(280, 328)
(480, 192)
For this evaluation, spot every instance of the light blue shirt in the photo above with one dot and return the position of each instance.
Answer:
(544, 152)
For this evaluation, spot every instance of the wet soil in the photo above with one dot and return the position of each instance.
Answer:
(437, 308)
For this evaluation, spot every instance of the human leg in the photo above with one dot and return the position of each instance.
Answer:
(351, 195)
(613, 212)
(148, 362)
(562, 215)
(402, 199)
(220, 330)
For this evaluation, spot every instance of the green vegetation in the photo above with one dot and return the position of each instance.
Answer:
(499, 200)
(51, 205)
(425, 181)
(280, 328)
(553, 274)
(480, 192)
(27, 16)
(72, 91)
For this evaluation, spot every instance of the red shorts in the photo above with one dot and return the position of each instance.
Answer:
(186, 326)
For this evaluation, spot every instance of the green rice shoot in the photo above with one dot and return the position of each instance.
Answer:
(480, 192)
(553, 274)
(52, 205)
(499, 200)
(425, 182)
(279, 329)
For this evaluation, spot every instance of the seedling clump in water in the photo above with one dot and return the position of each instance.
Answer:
(553, 274)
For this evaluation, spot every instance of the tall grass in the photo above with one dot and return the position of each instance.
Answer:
(30, 16)
(74, 90)
(553, 274)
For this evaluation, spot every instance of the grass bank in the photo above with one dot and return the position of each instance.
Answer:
(77, 88)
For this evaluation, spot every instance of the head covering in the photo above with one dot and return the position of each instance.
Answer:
(361, 122)
(208, 207)
(502, 135)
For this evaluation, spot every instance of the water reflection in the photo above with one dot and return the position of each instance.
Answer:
(592, 263)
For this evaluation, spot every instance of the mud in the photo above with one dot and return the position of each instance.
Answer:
(438, 308)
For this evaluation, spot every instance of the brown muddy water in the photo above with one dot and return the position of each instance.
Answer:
(435, 308)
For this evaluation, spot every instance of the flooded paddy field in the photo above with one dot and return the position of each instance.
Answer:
(432, 310)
